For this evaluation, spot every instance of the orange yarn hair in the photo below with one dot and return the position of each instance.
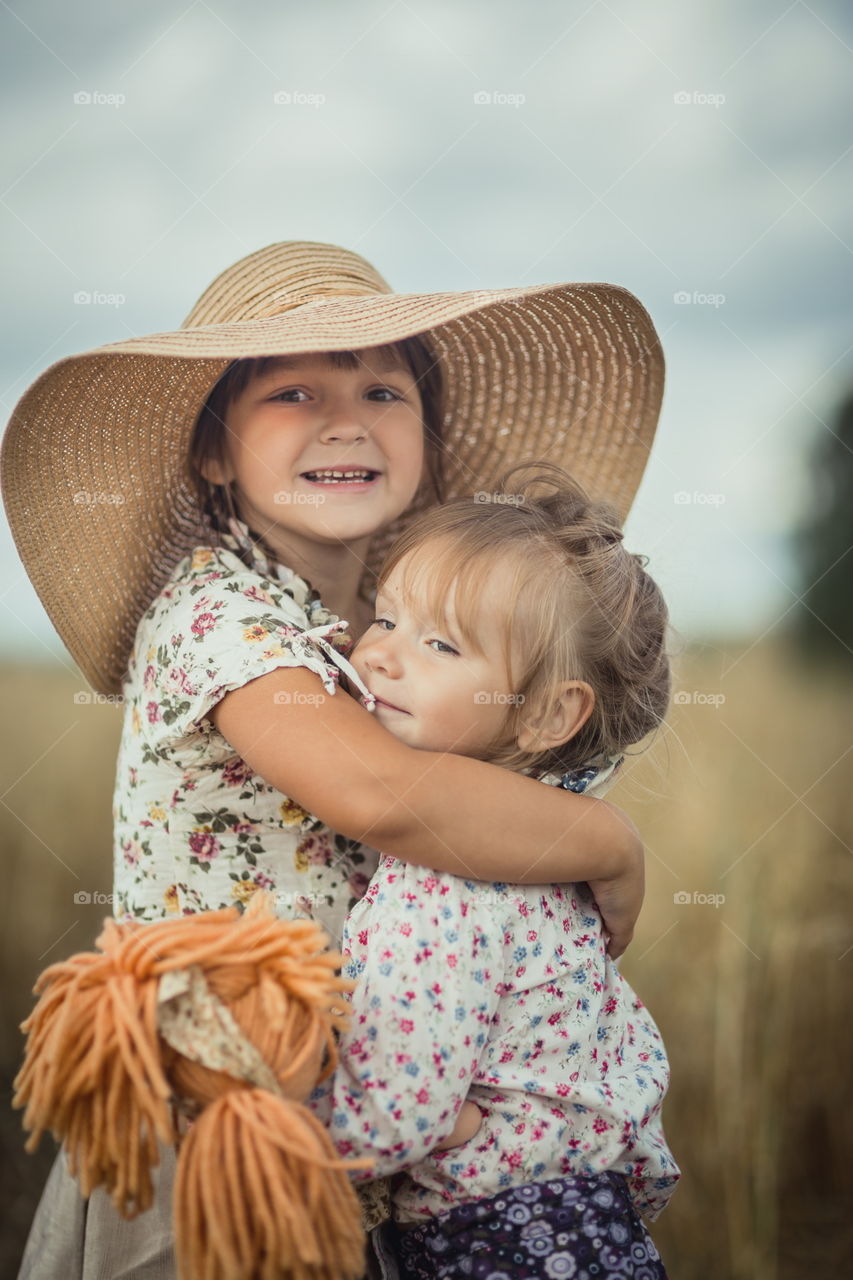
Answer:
(259, 1190)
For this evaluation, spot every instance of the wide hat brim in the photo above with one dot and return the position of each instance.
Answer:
(94, 460)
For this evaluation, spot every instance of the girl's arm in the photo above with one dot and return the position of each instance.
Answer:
(467, 1126)
(428, 956)
(439, 810)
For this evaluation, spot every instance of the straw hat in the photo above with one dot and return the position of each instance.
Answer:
(94, 461)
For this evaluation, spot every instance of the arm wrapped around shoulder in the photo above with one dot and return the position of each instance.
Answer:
(229, 1018)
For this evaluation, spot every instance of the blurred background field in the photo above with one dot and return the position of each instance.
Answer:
(664, 147)
(747, 795)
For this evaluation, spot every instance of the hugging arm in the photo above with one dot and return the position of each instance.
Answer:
(435, 809)
(421, 1011)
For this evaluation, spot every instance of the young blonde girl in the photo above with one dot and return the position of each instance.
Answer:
(520, 632)
(165, 495)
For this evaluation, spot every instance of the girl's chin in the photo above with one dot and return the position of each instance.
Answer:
(334, 532)
(339, 517)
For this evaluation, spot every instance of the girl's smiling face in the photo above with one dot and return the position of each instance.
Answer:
(305, 418)
(435, 690)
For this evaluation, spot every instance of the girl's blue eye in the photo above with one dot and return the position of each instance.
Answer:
(445, 648)
(380, 622)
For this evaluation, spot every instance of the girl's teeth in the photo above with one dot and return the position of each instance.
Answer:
(339, 475)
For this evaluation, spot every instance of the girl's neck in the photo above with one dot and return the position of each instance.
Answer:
(334, 570)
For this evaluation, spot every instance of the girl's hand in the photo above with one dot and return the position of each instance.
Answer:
(467, 1125)
(619, 899)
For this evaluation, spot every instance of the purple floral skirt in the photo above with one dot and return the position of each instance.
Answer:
(574, 1228)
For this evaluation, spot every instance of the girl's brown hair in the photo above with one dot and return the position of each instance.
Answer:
(208, 442)
(579, 607)
(259, 1189)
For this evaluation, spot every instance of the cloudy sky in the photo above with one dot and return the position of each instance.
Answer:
(700, 150)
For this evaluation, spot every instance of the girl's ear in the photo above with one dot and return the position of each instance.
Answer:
(215, 472)
(561, 715)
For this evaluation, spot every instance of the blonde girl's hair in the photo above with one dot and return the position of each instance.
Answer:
(259, 1190)
(208, 442)
(579, 607)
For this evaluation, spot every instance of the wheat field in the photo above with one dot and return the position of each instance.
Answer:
(743, 951)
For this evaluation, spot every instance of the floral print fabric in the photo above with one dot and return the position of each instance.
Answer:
(576, 1228)
(195, 828)
(504, 993)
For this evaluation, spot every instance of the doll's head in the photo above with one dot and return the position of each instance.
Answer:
(518, 629)
(270, 423)
(230, 1020)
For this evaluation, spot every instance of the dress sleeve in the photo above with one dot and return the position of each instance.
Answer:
(214, 631)
(426, 949)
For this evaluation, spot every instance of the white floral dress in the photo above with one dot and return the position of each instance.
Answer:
(195, 828)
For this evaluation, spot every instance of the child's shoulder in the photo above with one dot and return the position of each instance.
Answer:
(213, 575)
(211, 605)
(203, 565)
(410, 883)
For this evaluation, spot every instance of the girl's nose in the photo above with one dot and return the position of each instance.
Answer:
(343, 424)
(380, 655)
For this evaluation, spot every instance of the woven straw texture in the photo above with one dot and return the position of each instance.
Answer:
(94, 460)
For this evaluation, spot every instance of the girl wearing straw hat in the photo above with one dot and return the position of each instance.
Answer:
(223, 496)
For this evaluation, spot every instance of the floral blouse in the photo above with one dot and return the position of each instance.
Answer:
(195, 828)
(503, 993)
